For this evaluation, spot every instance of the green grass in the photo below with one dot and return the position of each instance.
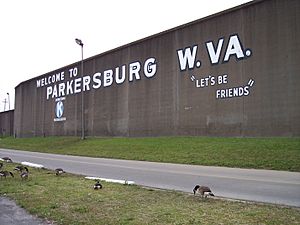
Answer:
(258, 153)
(70, 199)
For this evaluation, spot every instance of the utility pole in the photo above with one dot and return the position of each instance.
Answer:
(79, 42)
(8, 100)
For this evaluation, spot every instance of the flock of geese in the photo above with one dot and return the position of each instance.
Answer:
(204, 191)
(24, 172)
(22, 169)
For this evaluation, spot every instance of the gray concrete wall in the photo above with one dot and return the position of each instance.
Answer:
(7, 123)
(235, 73)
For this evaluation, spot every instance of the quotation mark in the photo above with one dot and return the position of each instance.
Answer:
(193, 78)
(250, 82)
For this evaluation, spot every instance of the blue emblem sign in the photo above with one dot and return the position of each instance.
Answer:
(59, 109)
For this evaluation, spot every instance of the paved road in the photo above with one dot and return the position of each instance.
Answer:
(248, 184)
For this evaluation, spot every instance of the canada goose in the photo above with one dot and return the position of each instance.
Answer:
(1, 165)
(203, 190)
(7, 159)
(97, 185)
(6, 173)
(21, 168)
(59, 171)
(24, 175)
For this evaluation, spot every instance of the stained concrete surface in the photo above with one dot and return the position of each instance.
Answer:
(12, 214)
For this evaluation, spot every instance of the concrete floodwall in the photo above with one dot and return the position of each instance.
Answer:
(235, 73)
(7, 123)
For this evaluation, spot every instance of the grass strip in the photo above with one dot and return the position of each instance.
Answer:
(70, 199)
(257, 153)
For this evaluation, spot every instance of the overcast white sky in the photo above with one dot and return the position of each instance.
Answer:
(38, 36)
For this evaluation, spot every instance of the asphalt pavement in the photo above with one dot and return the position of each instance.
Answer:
(12, 214)
(277, 187)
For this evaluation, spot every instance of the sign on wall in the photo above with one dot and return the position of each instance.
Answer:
(189, 62)
(57, 86)
(221, 51)
(59, 109)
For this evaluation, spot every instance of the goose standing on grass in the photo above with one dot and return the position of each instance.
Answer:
(24, 175)
(203, 190)
(7, 159)
(98, 185)
(59, 171)
(21, 168)
(6, 173)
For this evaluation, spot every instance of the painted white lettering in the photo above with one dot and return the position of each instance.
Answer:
(187, 57)
(107, 78)
(222, 79)
(205, 82)
(212, 81)
(73, 72)
(61, 89)
(134, 69)
(120, 80)
(246, 91)
(229, 92)
(232, 92)
(38, 83)
(218, 94)
(69, 87)
(54, 92)
(150, 67)
(97, 80)
(223, 94)
(57, 77)
(49, 91)
(53, 78)
(214, 55)
(234, 48)
(77, 84)
(86, 83)
(236, 91)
